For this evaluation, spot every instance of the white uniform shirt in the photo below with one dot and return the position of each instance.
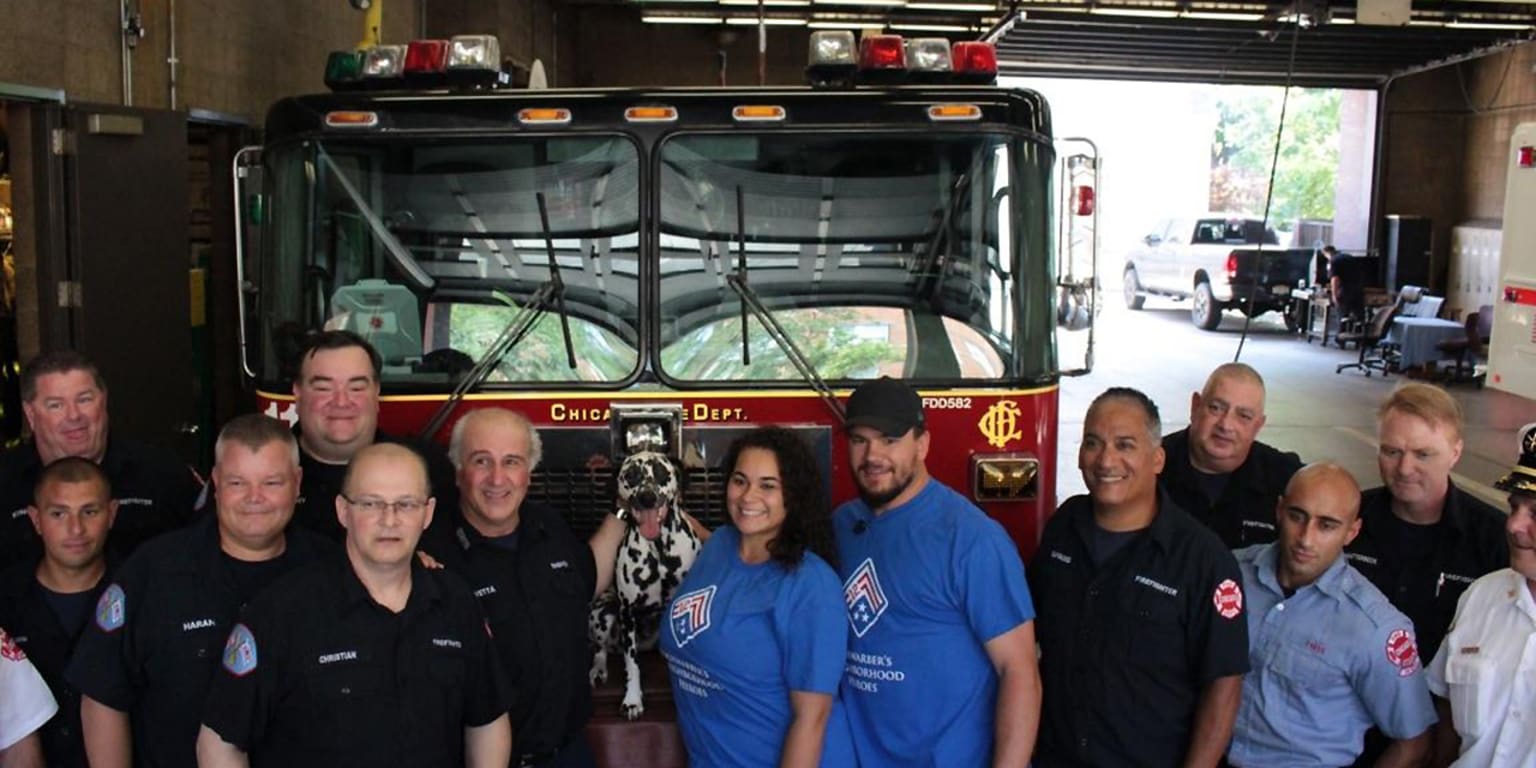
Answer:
(25, 703)
(1486, 669)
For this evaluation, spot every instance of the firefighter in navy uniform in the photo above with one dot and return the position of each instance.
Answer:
(1143, 637)
(364, 658)
(534, 578)
(145, 660)
(336, 395)
(1422, 540)
(65, 402)
(1217, 471)
(47, 602)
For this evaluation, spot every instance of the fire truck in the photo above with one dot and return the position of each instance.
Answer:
(676, 266)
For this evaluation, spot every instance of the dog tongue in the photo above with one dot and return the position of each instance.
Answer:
(650, 523)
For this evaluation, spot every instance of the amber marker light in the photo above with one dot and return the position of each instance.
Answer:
(544, 116)
(351, 119)
(954, 112)
(758, 113)
(651, 114)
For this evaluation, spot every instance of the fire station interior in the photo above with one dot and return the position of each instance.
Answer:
(119, 123)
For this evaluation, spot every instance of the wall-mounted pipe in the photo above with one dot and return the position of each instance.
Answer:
(170, 59)
(127, 54)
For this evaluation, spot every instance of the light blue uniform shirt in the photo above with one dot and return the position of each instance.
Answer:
(1328, 662)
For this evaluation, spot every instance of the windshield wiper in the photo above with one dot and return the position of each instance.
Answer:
(551, 293)
(751, 302)
(392, 246)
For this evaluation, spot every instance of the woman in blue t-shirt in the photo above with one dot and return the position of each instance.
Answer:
(757, 633)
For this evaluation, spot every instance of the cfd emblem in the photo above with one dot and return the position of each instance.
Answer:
(1000, 424)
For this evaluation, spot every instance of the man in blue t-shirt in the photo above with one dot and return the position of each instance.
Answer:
(941, 667)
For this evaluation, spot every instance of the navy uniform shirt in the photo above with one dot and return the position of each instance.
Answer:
(155, 638)
(318, 673)
(36, 627)
(1467, 543)
(316, 508)
(1244, 514)
(155, 493)
(1329, 662)
(535, 596)
(1127, 647)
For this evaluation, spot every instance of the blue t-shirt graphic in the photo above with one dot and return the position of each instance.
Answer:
(738, 639)
(926, 585)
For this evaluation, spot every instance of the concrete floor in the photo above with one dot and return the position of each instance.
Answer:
(1311, 410)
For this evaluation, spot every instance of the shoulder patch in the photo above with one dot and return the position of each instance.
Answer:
(1403, 652)
(111, 609)
(1228, 599)
(240, 651)
(690, 614)
(9, 650)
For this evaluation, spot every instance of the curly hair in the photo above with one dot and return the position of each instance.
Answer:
(807, 516)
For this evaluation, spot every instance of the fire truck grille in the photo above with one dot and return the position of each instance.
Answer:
(585, 497)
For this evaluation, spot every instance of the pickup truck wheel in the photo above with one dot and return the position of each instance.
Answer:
(1205, 311)
(1134, 298)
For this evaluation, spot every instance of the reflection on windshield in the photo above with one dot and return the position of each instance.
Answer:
(426, 248)
(879, 254)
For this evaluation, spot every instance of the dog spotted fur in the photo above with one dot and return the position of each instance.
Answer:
(627, 618)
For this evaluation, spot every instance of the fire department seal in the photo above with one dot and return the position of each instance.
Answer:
(1228, 599)
(1403, 652)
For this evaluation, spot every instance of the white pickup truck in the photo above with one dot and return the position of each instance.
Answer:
(1210, 258)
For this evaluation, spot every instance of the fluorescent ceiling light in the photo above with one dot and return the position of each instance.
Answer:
(885, 3)
(1341, 20)
(675, 2)
(1425, 23)
(931, 27)
(769, 3)
(952, 6)
(1219, 16)
(1144, 13)
(850, 24)
(1457, 24)
(751, 21)
(682, 19)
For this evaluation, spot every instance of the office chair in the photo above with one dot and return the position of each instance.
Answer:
(1370, 338)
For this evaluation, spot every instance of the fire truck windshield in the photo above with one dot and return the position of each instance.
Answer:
(878, 253)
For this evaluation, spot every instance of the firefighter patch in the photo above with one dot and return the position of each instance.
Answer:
(240, 651)
(1228, 599)
(866, 600)
(111, 609)
(9, 649)
(1403, 652)
(690, 614)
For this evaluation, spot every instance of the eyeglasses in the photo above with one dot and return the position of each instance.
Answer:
(375, 506)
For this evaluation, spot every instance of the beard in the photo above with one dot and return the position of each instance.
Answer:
(878, 499)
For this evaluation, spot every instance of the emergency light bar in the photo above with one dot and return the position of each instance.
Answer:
(464, 60)
(833, 59)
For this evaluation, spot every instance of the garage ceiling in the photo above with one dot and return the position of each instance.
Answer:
(1333, 43)
(1252, 43)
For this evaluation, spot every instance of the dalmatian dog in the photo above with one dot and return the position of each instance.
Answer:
(658, 548)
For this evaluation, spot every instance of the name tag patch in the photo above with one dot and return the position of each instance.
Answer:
(188, 626)
(332, 658)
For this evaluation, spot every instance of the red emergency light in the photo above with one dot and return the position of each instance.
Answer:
(426, 57)
(1527, 157)
(882, 52)
(1082, 200)
(974, 61)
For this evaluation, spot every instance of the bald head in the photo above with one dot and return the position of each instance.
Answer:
(378, 460)
(1225, 418)
(1317, 517)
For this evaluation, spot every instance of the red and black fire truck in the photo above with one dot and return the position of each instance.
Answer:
(685, 263)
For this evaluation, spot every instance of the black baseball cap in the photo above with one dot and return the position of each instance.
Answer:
(1522, 477)
(885, 404)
